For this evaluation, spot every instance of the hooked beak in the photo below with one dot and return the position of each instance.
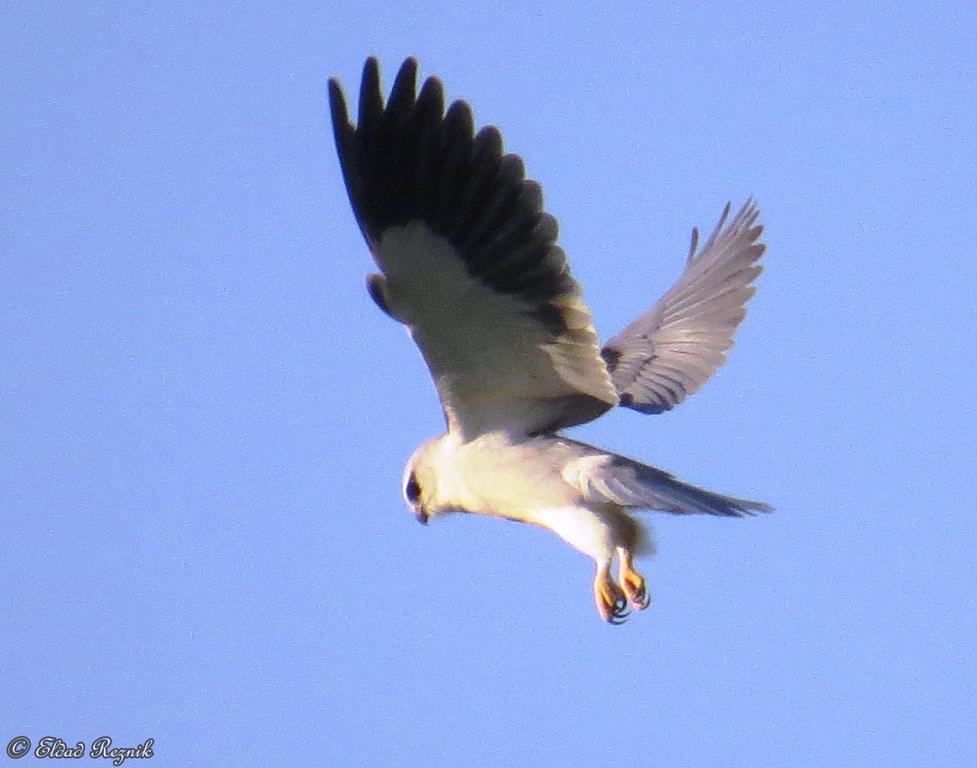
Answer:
(421, 515)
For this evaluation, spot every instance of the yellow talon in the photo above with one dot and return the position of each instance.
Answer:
(633, 582)
(612, 603)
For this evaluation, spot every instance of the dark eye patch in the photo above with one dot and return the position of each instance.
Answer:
(412, 490)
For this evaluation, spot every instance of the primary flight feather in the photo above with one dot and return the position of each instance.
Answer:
(469, 263)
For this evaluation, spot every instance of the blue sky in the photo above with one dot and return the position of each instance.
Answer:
(205, 418)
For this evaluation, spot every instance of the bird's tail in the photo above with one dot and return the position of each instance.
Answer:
(632, 484)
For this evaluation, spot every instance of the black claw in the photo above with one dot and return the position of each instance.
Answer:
(620, 612)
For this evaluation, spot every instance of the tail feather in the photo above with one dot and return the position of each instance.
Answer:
(631, 484)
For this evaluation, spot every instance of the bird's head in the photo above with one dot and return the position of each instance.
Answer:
(420, 484)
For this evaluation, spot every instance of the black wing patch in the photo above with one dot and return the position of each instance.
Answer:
(410, 160)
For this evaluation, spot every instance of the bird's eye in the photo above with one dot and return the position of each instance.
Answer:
(412, 490)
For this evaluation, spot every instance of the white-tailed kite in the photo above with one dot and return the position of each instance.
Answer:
(470, 265)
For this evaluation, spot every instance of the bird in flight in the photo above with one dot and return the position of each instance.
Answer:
(469, 263)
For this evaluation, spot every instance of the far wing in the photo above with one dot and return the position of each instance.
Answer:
(469, 261)
(671, 350)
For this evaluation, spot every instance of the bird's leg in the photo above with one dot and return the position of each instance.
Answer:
(632, 582)
(612, 603)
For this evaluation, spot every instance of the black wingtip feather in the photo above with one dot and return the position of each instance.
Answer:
(402, 94)
(371, 100)
(339, 114)
(337, 103)
(430, 101)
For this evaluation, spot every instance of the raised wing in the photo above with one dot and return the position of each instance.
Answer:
(469, 261)
(671, 350)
